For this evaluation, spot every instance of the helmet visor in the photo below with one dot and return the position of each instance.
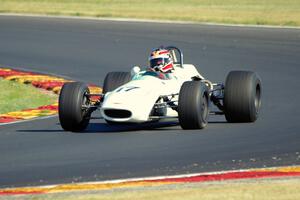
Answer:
(158, 62)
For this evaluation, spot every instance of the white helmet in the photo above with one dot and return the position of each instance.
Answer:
(161, 60)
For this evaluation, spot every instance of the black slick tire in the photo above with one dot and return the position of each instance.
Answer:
(193, 105)
(114, 80)
(72, 116)
(242, 96)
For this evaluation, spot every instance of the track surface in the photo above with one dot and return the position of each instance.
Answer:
(39, 152)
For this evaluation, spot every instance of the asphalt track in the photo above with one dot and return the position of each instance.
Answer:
(39, 152)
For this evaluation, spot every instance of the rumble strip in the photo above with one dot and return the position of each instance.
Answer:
(292, 171)
(46, 82)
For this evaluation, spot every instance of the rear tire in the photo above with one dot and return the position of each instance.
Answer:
(193, 104)
(72, 116)
(114, 80)
(242, 96)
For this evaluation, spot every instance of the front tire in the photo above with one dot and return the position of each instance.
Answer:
(242, 96)
(114, 80)
(193, 104)
(72, 115)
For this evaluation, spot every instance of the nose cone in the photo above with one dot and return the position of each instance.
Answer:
(135, 97)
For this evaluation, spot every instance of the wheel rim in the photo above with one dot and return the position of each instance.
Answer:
(85, 104)
(257, 101)
(204, 108)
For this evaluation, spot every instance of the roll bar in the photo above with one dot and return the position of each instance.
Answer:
(173, 49)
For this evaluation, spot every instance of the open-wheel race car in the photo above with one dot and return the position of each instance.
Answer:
(143, 96)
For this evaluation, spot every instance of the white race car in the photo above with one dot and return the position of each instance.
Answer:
(143, 96)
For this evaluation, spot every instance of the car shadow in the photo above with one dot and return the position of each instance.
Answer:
(102, 127)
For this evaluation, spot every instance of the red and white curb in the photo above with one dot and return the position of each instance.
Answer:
(292, 171)
(46, 82)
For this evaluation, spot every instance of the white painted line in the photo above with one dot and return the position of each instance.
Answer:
(180, 175)
(156, 177)
(28, 120)
(147, 21)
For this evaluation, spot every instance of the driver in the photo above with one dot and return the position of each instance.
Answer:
(161, 61)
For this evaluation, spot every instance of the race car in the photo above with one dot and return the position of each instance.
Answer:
(140, 96)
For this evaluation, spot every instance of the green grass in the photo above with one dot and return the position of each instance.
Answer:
(16, 96)
(259, 12)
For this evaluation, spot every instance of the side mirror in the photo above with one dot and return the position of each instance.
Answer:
(135, 70)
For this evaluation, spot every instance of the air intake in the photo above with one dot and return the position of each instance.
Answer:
(117, 113)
